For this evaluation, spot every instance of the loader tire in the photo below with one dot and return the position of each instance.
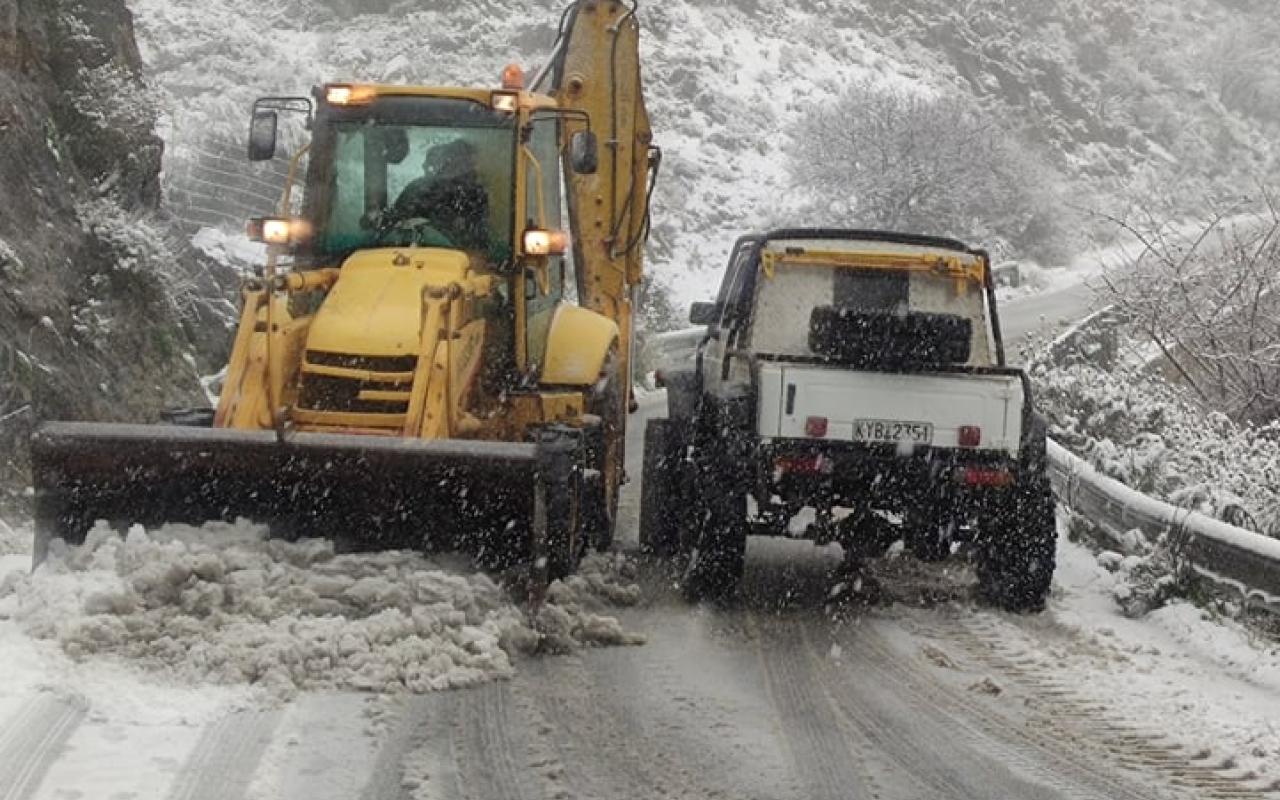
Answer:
(1017, 553)
(605, 454)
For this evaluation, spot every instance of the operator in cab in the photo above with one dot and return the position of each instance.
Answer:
(449, 196)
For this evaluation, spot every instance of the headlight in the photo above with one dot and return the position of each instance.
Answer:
(505, 102)
(344, 95)
(277, 230)
(538, 242)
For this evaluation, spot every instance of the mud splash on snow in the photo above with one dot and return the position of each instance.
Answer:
(224, 604)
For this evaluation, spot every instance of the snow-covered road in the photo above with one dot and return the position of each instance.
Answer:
(776, 697)
(1045, 313)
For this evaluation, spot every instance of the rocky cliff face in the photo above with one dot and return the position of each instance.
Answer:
(98, 314)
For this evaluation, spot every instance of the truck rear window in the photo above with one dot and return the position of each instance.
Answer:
(871, 290)
(785, 302)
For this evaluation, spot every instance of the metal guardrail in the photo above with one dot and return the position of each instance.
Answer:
(1246, 562)
(1243, 561)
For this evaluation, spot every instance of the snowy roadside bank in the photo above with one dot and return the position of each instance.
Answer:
(1200, 678)
(1198, 690)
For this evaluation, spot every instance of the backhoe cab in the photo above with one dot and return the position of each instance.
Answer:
(428, 270)
(410, 364)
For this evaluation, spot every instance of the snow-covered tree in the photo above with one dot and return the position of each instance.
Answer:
(1209, 304)
(889, 158)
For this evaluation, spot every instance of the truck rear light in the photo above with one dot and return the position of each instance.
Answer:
(816, 427)
(970, 436)
(986, 477)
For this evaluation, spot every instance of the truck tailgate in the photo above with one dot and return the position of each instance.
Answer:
(924, 409)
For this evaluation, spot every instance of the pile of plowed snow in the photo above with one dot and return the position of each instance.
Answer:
(225, 604)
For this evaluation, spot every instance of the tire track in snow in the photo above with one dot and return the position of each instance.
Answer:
(1070, 711)
(223, 763)
(831, 760)
(962, 763)
(484, 719)
(32, 741)
(456, 745)
(421, 735)
(1068, 765)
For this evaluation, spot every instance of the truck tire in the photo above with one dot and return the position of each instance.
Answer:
(929, 535)
(1017, 554)
(718, 559)
(660, 503)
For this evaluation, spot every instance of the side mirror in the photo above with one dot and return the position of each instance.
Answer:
(704, 313)
(395, 145)
(262, 135)
(584, 153)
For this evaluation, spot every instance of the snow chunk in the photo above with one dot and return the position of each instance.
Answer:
(938, 656)
(569, 616)
(986, 686)
(226, 605)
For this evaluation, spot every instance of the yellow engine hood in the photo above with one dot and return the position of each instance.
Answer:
(375, 308)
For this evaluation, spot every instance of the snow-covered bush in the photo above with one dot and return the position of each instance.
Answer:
(1147, 581)
(11, 266)
(133, 256)
(13, 541)
(1153, 437)
(1210, 304)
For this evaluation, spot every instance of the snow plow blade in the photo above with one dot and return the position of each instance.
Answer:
(364, 492)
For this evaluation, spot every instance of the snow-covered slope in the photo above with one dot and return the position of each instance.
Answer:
(1117, 96)
(723, 86)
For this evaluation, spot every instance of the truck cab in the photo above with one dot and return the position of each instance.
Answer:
(860, 375)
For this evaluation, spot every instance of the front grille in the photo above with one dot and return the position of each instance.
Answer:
(370, 363)
(333, 393)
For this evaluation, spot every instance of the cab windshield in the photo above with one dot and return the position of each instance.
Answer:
(412, 171)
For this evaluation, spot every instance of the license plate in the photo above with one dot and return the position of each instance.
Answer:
(882, 430)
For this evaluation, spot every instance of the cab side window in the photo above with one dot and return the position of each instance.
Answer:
(543, 198)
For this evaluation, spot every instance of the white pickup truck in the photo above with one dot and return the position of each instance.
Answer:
(860, 374)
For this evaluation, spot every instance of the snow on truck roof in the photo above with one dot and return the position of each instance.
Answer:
(795, 236)
(869, 246)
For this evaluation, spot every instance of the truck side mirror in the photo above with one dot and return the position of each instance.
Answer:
(262, 135)
(584, 153)
(704, 313)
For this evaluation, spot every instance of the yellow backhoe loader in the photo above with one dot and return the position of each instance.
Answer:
(428, 353)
